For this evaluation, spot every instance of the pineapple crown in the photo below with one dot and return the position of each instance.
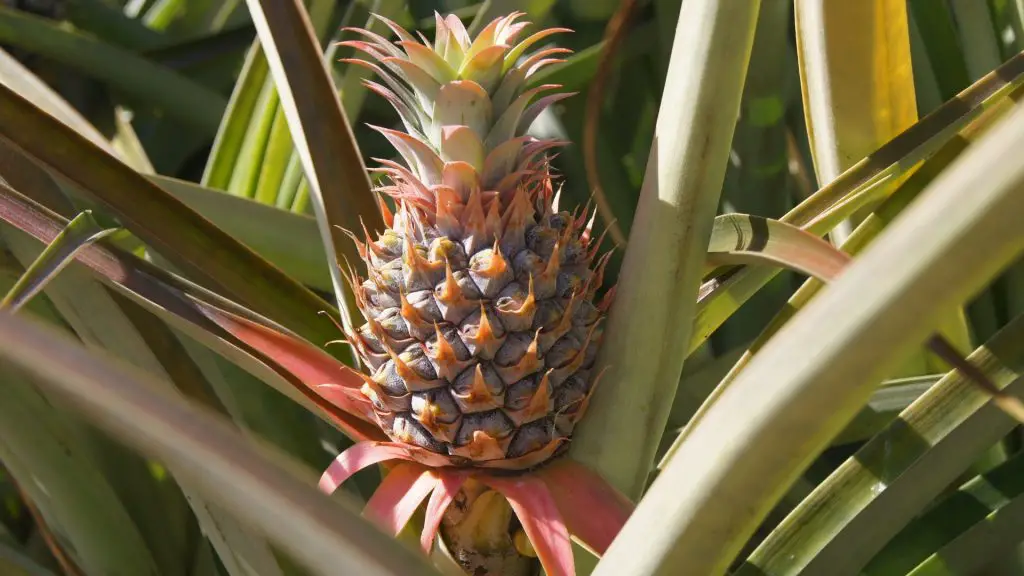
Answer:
(466, 106)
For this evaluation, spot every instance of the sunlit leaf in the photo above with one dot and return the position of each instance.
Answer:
(808, 382)
(859, 185)
(655, 298)
(872, 495)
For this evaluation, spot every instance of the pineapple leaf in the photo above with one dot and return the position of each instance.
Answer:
(232, 135)
(746, 239)
(861, 184)
(838, 46)
(288, 240)
(174, 230)
(104, 320)
(16, 562)
(663, 263)
(813, 377)
(870, 228)
(333, 165)
(533, 504)
(217, 323)
(79, 233)
(964, 531)
(593, 511)
(401, 493)
(190, 103)
(258, 485)
(899, 471)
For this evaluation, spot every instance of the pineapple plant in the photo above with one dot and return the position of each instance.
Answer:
(480, 286)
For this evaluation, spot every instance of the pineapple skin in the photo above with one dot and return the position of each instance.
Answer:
(481, 328)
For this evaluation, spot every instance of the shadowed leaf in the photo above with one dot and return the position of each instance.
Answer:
(79, 233)
(258, 485)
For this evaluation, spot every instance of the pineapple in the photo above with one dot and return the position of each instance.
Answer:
(479, 296)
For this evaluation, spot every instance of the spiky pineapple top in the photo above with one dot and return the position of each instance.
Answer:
(481, 329)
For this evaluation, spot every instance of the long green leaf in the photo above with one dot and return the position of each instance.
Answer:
(230, 138)
(20, 79)
(44, 449)
(338, 182)
(665, 256)
(868, 230)
(186, 101)
(720, 298)
(191, 242)
(964, 531)
(15, 563)
(746, 239)
(258, 485)
(810, 380)
(872, 495)
(216, 322)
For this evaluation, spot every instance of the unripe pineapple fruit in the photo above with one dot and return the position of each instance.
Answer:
(481, 326)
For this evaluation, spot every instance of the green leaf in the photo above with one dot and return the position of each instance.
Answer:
(287, 240)
(44, 453)
(191, 242)
(107, 22)
(15, 563)
(856, 80)
(875, 493)
(938, 32)
(258, 485)
(210, 319)
(870, 228)
(231, 136)
(43, 447)
(811, 379)
(964, 531)
(108, 321)
(664, 259)
(181, 98)
(864, 182)
(79, 233)
(746, 239)
(331, 161)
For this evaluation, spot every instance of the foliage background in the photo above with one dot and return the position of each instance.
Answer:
(180, 89)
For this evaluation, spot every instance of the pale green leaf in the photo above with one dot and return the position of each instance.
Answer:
(811, 379)
(663, 262)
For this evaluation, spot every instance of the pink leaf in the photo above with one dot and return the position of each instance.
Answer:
(356, 458)
(308, 368)
(593, 510)
(442, 497)
(535, 507)
(399, 495)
